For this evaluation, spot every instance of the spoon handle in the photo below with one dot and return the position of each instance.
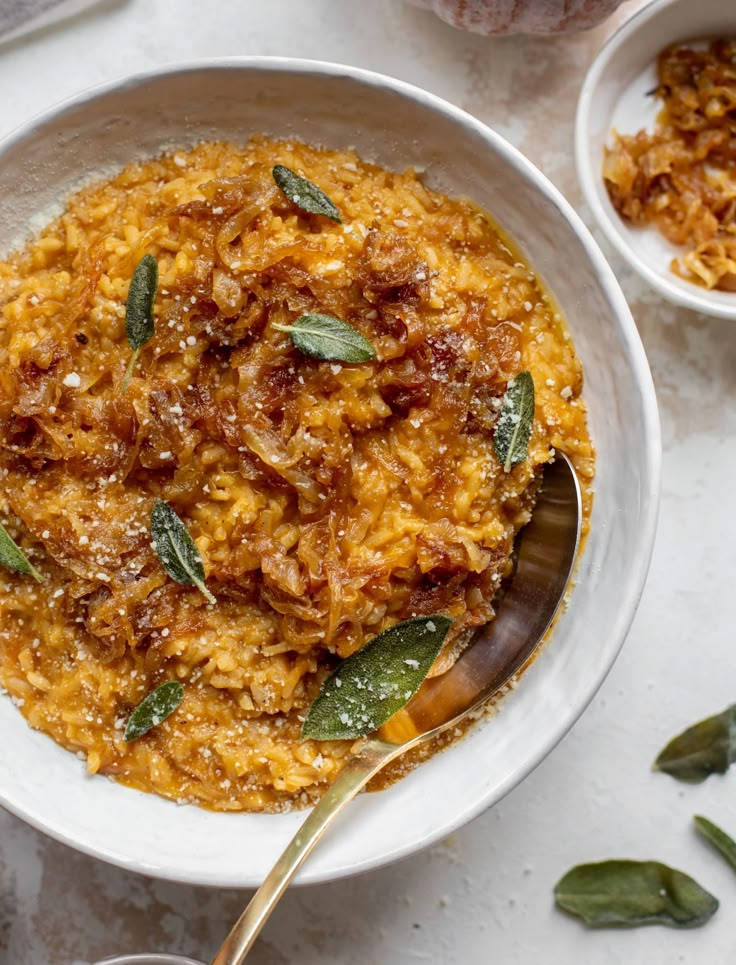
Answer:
(360, 768)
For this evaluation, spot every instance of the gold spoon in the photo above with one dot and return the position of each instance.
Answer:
(547, 549)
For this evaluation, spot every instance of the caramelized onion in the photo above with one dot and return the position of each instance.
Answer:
(269, 448)
(681, 177)
(227, 293)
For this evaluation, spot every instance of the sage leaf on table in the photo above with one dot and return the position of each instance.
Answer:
(718, 838)
(153, 709)
(139, 322)
(633, 893)
(376, 681)
(176, 549)
(304, 194)
(327, 338)
(708, 747)
(514, 426)
(13, 558)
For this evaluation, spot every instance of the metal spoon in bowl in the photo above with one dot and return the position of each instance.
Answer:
(547, 548)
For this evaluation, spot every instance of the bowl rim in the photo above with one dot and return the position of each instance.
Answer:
(650, 466)
(589, 178)
(142, 958)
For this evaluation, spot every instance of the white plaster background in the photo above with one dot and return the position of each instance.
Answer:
(484, 896)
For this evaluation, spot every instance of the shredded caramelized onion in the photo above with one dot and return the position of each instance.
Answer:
(682, 176)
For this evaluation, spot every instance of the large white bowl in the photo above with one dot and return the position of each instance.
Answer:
(615, 95)
(397, 125)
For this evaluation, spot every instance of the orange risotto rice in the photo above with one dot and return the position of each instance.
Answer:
(328, 501)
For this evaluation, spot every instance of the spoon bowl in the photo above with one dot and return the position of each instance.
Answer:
(547, 550)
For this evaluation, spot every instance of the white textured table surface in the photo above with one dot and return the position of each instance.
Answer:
(485, 896)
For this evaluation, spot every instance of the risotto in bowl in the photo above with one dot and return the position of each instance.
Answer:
(251, 384)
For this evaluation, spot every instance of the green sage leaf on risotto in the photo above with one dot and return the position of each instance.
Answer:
(176, 549)
(376, 681)
(633, 893)
(708, 747)
(718, 838)
(514, 426)
(154, 709)
(139, 323)
(304, 194)
(13, 558)
(327, 338)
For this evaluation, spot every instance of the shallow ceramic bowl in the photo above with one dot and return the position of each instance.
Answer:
(614, 95)
(395, 125)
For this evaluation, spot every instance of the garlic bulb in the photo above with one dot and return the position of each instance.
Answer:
(521, 16)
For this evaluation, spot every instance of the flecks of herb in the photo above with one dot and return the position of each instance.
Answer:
(13, 558)
(376, 681)
(633, 893)
(514, 426)
(718, 838)
(304, 194)
(153, 709)
(176, 549)
(139, 323)
(708, 747)
(327, 338)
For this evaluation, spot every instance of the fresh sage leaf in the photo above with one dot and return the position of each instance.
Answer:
(327, 338)
(514, 427)
(376, 681)
(718, 838)
(633, 893)
(176, 549)
(13, 558)
(708, 747)
(153, 709)
(139, 323)
(304, 194)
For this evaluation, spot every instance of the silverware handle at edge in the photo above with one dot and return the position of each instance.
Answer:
(371, 757)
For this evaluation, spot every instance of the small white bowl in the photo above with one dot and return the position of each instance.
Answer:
(614, 96)
(396, 125)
